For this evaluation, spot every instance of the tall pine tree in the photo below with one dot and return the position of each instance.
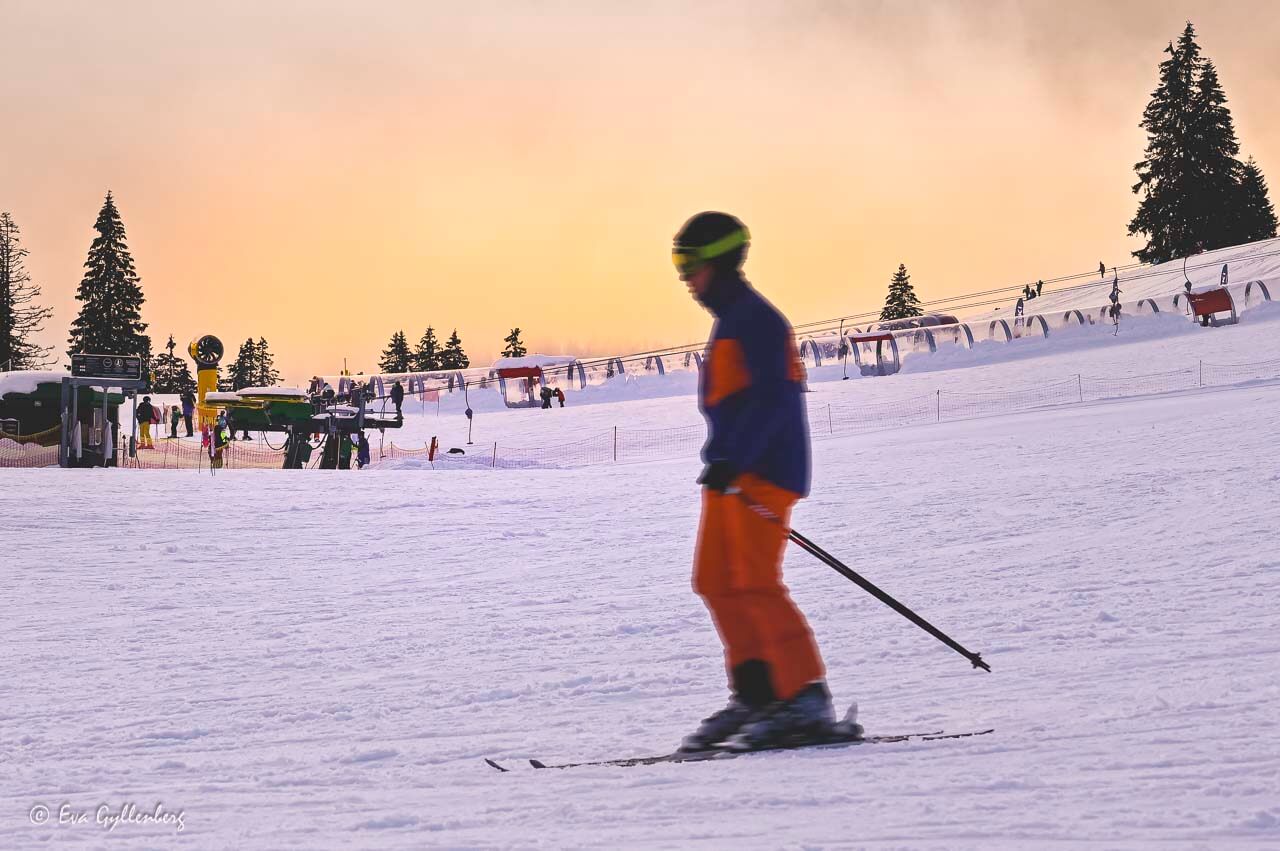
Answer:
(1216, 171)
(1194, 188)
(20, 317)
(426, 357)
(172, 375)
(515, 347)
(453, 357)
(110, 294)
(1164, 215)
(901, 300)
(396, 357)
(265, 373)
(1257, 218)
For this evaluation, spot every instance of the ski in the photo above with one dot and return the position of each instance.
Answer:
(720, 755)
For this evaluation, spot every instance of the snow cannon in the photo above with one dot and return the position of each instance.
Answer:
(206, 352)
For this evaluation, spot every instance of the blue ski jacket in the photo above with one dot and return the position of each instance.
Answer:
(750, 388)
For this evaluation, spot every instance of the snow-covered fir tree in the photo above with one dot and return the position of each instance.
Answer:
(515, 347)
(110, 295)
(396, 357)
(426, 357)
(901, 300)
(172, 375)
(20, 317)
(453, 357)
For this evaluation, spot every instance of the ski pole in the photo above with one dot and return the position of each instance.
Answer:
(864, 583)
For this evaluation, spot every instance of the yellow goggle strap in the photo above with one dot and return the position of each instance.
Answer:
(689, 257)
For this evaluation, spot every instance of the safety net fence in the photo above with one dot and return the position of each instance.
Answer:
(623, 445)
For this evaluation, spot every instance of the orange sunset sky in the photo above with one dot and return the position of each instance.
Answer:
(325, 173)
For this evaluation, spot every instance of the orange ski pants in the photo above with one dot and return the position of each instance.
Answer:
(738, 573)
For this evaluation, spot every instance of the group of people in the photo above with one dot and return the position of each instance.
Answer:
(150, 414)
(1029, 292)
(549, 393)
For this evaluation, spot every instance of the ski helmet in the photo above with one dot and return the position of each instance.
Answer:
(716, 238)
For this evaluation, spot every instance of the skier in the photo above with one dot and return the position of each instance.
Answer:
(546, 394)
(175, 415)
(560, 396)
(362, 452)
(757, 451)
(1039, 287)
(1114, 311)
(188, 409)
(146, 413)
(221, 437)
(397, 398)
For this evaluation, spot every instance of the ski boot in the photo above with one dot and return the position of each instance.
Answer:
(716, 728)
(806, 718)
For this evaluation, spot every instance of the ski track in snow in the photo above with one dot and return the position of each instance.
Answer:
(301, 662)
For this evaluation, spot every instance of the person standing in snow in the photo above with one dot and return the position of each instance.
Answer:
(146, 413)
(397, 398)
(188, 400)
(175, 416)
(545, 393)
(560, 396)
(1039, 287)
(220, 439)
(362, 452)
(757, 451)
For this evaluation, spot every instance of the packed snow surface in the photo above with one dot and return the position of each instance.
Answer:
(323, 659)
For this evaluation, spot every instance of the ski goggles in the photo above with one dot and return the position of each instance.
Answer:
(689, 259)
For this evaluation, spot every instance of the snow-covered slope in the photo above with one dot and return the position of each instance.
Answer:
(1255, 261)
(322, 659)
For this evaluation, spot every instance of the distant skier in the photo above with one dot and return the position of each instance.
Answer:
(546, 395)
(188, 400)
(560, 396)
(1039, 287)
(397, 398)
(220, 438)
(757, 451)
(175, 414)
(362, 452)
(1102, 269)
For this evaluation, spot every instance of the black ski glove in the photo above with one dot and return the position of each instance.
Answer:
(718, 475)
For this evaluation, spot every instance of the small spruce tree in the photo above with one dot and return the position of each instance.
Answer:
(265, 373)
(1257, 218)
(515, 348)
(240, 375)
(453, 357)
(172, 375)
(20, 318)
(901, 300)
(110, 294)
(396, 357)
(426, 357)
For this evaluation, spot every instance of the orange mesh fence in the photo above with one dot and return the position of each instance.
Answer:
(626, 444)
(15, 454)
